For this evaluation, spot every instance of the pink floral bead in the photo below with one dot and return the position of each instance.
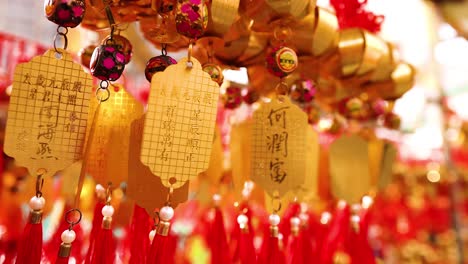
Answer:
(191, 18)
(65, 13)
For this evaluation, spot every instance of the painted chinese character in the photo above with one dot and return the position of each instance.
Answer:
(168, 125)
(196, 115)
(164, 155)
(40, 81)
(193, 143)
(47, 96)
(278, 143)
(277, 173)
(47, 134)
(48, 116)
(175, 94)
(71, 99)
(196, 97)
(77, 86)
(207, 98)
(277, 117)
(27, 78)
(51, 83)
(65, 84)
(170, 111)
(194, 129)
(43, 149)
(33, 94)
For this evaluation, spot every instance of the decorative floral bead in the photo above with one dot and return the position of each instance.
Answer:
(65, 13)
(157, 64)
(191, 18)
(107, 62)
(313, 114)
(281, 61)
(392, 121)
(232, 97)
(85, 55)
(354, 107)
(303, 91)
(215, 72)
(165, 6)
(251, 97)
(123, 44)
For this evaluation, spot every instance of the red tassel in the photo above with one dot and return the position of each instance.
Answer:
(244, 251)
(271, 253)
(62, 260)
(337, 233)
(295, 244)
(141, 226)
(104, 248)
(162, 250)
(30, 247)
(97, 222)
(217, 241)
(164, 246)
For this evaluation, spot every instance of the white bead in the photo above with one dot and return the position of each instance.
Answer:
(216, 199)
(242, 219)
(245, 194)
(151, 235)
(68, 236)
(107, 211)
(355, 219)
(295, 221)
(100, 190)
(166, 213)
(37, 203)
(274, 219)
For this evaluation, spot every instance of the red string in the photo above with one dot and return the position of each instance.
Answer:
(104, 248)
(97, 222)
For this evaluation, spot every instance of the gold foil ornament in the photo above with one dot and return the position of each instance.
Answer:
(48, 111)
(278, 136)
(108, 153)
(143, 186)
(349, 168)
(296, 8)
(223, 13)
(180, 123)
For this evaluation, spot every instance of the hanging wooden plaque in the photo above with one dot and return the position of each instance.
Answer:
(108, 153)
(180, 123)
(278, 149)
(47, 114)
(143, 186)
(349, 168)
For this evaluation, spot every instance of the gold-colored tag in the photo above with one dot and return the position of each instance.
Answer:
(240, 147)
(143, 186)
(309, 189)
(108, 154)
(48, 111)
(386, 172)
(180, 123)
(279, 133)
(349, 168)
(214, 172)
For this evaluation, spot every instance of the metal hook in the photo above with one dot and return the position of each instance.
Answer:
(71, 222)
(169, 196)
(156, 219)
(39, 184)
(108, 193)
(189, 55)
(279, 204)
(164, 49)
